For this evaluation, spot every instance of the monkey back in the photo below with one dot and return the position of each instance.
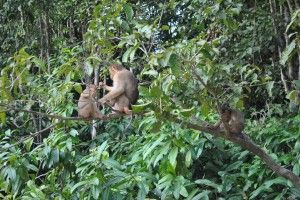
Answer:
(131, 86)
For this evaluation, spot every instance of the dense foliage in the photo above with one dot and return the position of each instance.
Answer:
(188, 55)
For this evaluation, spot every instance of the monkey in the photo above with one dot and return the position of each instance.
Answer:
(124, 91)
(87, 107)
(233, 119)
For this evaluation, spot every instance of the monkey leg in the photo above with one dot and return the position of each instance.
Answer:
(96, 113)
(127, 111)
(122, 105)
(85, 110)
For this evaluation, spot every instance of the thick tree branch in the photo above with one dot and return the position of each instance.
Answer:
(117, 114)
(244, 141)
(44, 114)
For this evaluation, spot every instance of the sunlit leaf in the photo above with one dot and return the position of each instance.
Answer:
(188, 158)
(288, 52)
(28, 143)
(128, 11)
(292, 95)
(140, 107)
(270, 86)
(3, 117)
(173, 155)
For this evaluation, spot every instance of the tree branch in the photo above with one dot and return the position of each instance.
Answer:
(244, 141)
(44, 114)
(117, 114)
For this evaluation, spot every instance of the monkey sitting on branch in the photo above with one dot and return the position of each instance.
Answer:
(231, 121)
(87, 106)
(124, 91)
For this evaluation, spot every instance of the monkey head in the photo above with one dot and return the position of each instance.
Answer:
(92, 89)
(225, 112)
(113, 69)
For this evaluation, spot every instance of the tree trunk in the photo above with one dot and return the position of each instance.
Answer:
(47, 39)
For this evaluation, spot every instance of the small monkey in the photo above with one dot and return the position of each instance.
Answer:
(124, 91)
(87, 107)
(234, 120)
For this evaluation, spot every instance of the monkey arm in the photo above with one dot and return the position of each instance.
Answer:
(115, 92)
(108, 88)
(119, 84)
(85, 95)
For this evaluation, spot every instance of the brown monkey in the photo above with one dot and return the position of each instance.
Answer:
(87, 107)
(234, 120)
(124, 91)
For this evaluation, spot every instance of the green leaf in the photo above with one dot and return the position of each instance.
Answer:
(132, 53)
(102, 147)
(184, 192)
(173, 155)
(296, 169)
(288, 52)
(142, 191)
(32, 167)
(125, 26)
(205, 108)
(128, 11)
(55, 155)
(92, 181)
(187, 112)
(77, 87)
(165, 59)
(151, 72)
(155, 91)
(188, 158)
(74, 132)
(270, 86)
(265, 187)
(239, 104)
(3, 117)
(297, 146)
(155, 144)
(126, 54)
(94, 58)
(146, 31)
(88, 68)
(28, 143)
(39, 63)
(165, 27)
(209, 183)
(293, 96)
(141, 107)
(200, 148)
(296, 14)
(296, 192)
(174, 64)
(69, 144)
(11, 173)
(202, 196)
